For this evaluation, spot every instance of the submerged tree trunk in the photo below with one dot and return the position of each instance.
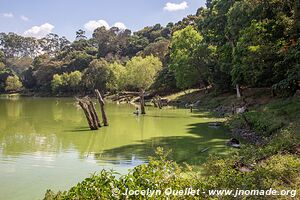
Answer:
(87, 113)
(93, 112)
(238, 91)
(101, 102)
(142, 102)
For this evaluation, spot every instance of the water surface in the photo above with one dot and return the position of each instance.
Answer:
(45, 142)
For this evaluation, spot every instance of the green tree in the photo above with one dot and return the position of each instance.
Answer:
(74, 79)
(80, 35)
(13, 83)
(79, 60)
(4, 73)
(287, 72)
(56, 82)
(187, 57)
(158, 49)
(66, 82)
(117, 77)
(255, 56)
(141, 73)
(165, 81)
(256, 30)
(96, 75)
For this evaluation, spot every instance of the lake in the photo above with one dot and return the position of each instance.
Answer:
(45, 143)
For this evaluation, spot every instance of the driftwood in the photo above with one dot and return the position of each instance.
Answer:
(88, 113)
(121, 97)
(101, 102)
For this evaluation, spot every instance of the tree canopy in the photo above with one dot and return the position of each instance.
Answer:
(251, 43)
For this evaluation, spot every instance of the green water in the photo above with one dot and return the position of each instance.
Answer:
(45, 142)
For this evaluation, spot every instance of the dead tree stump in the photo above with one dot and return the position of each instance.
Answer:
(93, 111)
(154, 102)
(101, 102)
(157, 102)
(84, 106)
(142, 102)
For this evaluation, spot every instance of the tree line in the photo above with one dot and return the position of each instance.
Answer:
(228, 45)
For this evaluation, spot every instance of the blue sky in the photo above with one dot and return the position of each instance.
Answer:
(64, 17)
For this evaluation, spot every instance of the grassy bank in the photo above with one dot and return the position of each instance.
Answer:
(272, 162)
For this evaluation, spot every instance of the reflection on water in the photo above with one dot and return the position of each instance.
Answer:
(45, 142)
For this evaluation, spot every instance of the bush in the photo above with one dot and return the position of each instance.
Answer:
(157, 174)
(277, 172)
(13, 83)
(66, 81)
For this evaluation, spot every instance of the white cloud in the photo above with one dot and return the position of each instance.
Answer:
(24, 18)
(8, 15)
(93, 24)
(120, 25)
(175, 7)
(39, 31)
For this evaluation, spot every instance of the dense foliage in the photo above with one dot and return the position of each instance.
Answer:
(163, 174)
(244, 42)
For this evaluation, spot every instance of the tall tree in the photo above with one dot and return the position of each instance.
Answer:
(141, 73)
(187, 58)
(96, 75)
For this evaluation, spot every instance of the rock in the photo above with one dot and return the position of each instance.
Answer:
(234, 143)
(241, 110)
(245, 169)
(297, 150)
(214, 124)
(249, 136)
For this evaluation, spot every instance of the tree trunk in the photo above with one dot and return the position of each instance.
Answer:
(154, 100)
(93, 112)
(238, 91)
(101, 102)
(142, 102)
(159, 103)
(88, 116)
